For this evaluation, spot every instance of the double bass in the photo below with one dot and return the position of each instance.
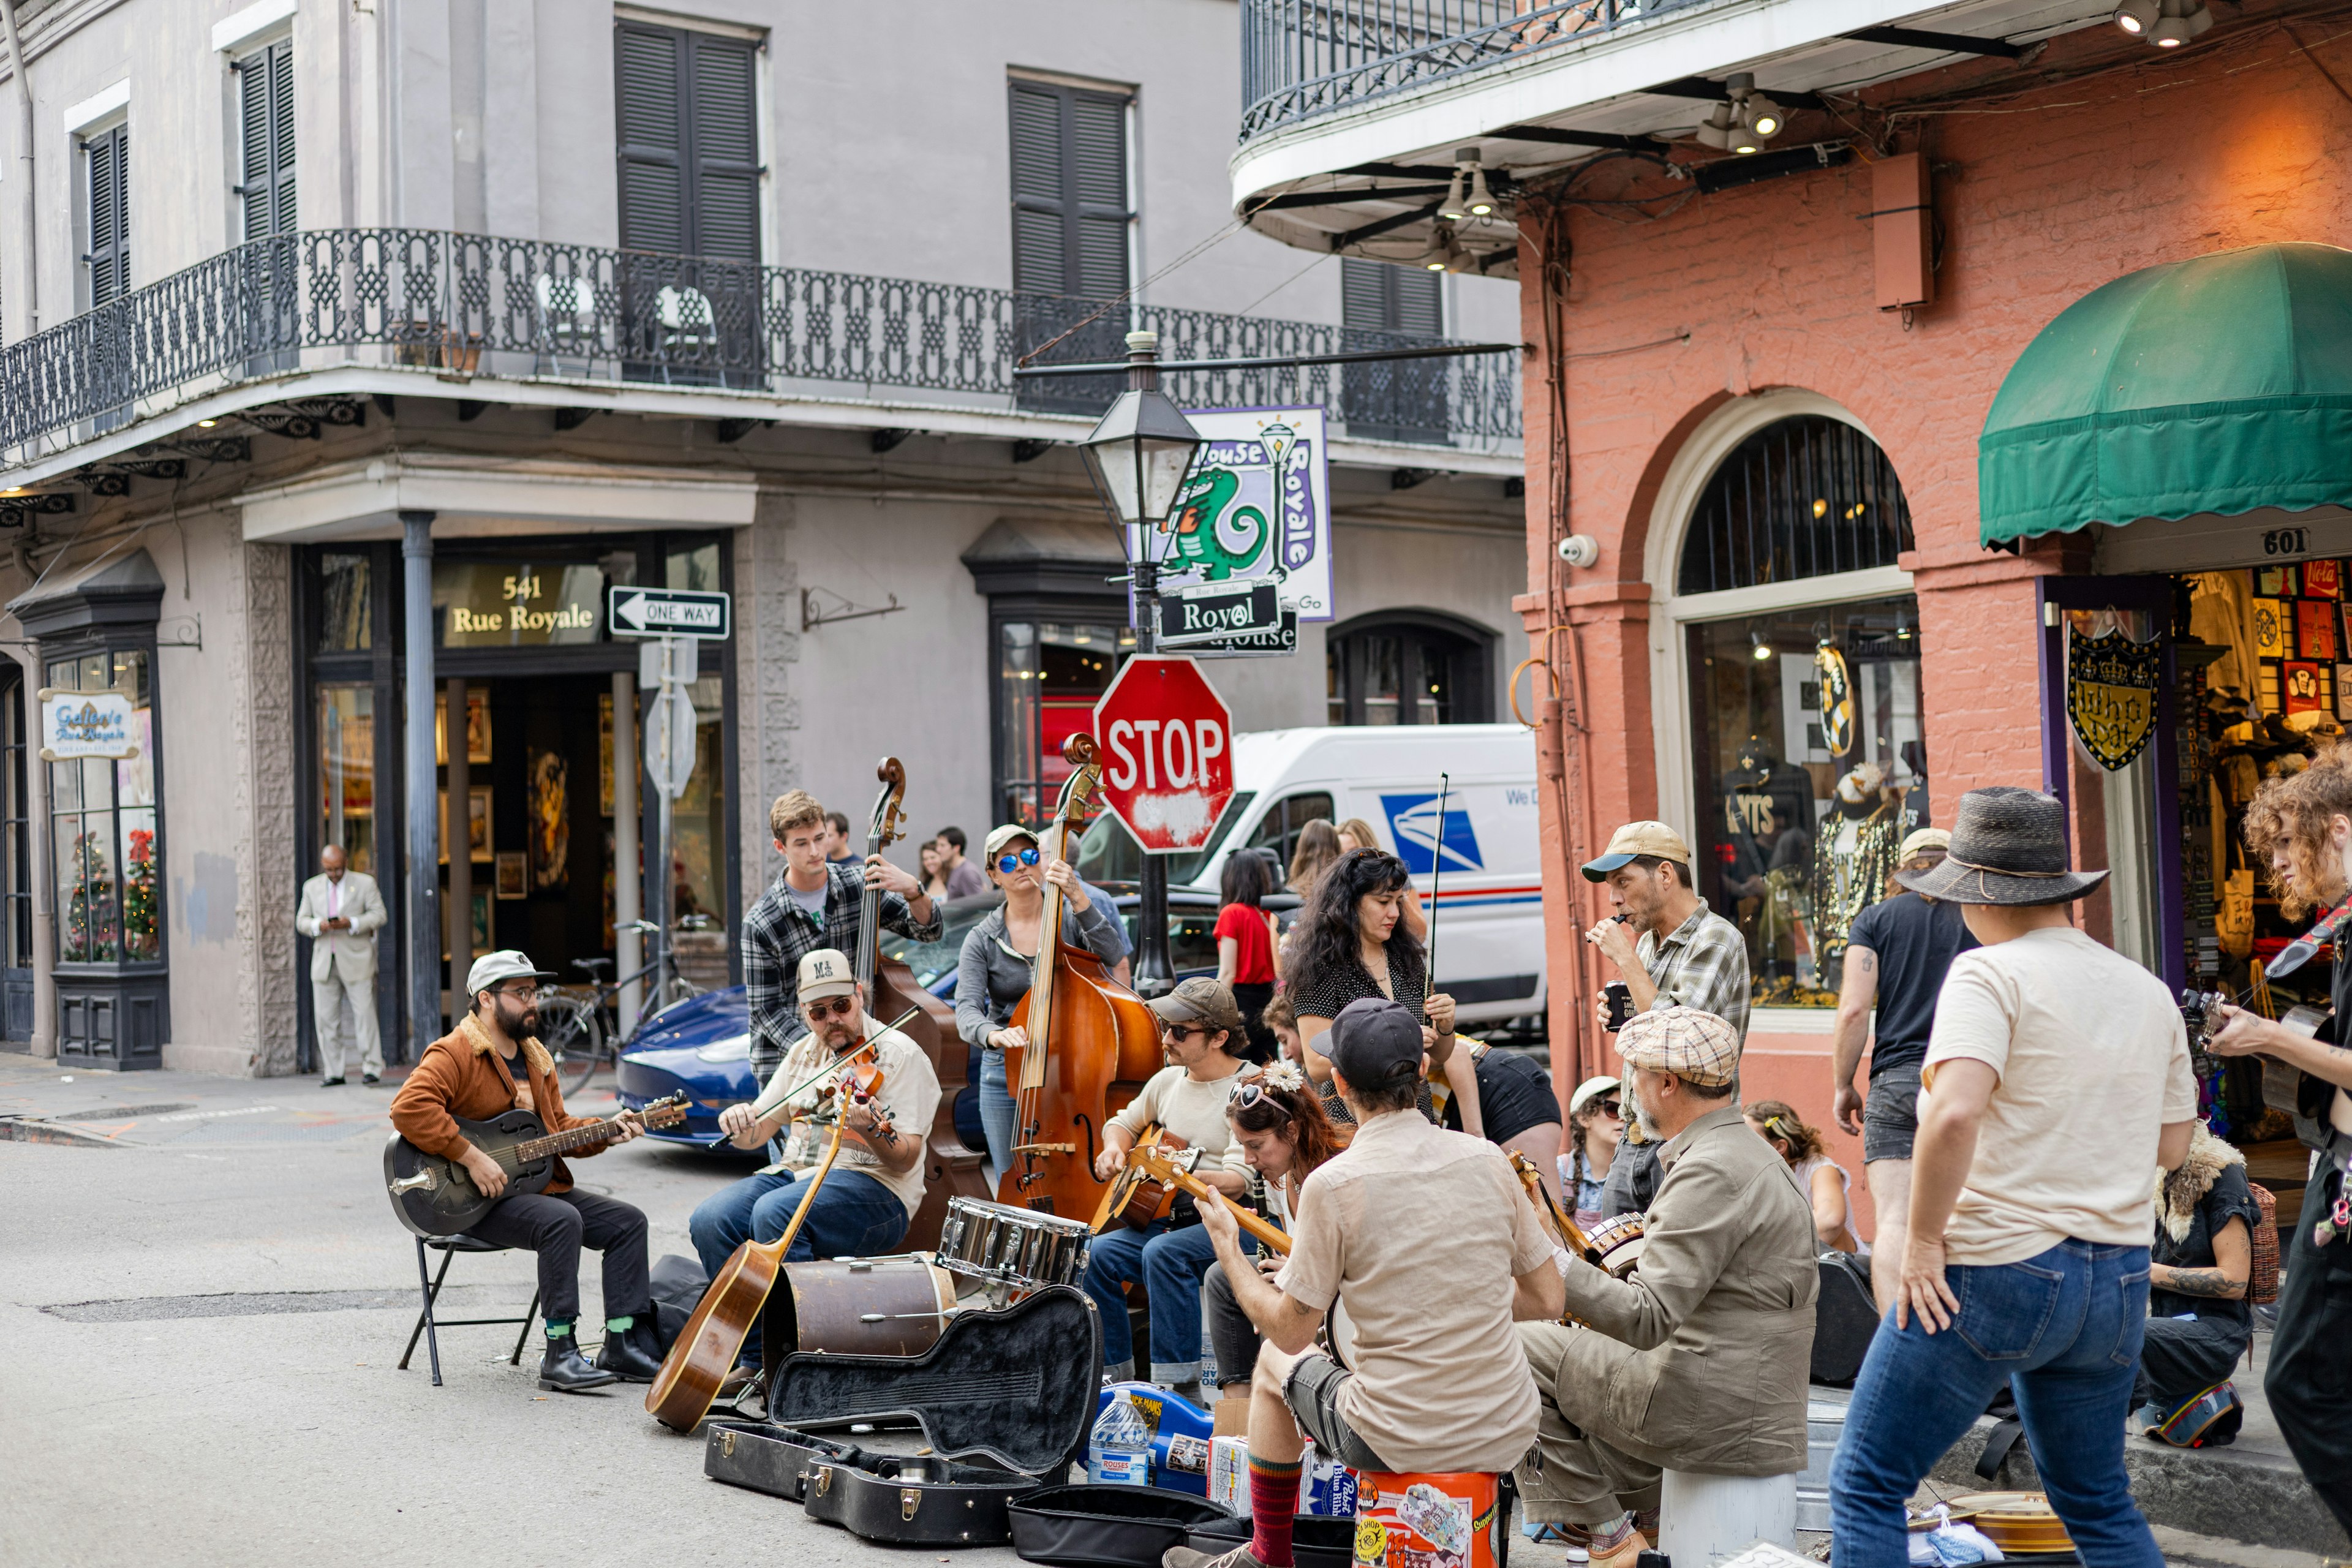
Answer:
(1091, 1042)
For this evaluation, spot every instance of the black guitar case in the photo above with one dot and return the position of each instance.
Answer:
(1845, 1316)
(1014, 1389)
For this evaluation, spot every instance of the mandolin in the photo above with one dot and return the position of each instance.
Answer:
(434, 1196)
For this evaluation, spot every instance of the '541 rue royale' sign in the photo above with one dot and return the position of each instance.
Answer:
(510, 603)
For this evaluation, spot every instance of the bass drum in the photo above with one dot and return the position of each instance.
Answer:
(858, 1306)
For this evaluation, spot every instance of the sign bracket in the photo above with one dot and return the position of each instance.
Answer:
(815, 613)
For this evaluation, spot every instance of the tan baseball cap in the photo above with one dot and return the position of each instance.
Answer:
(826, 971)
(1684, 1041)
(998, 837)
(1921, 841)
(1637, 838)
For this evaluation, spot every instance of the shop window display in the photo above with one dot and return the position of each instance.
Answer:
(103, 822)
(1811, 765)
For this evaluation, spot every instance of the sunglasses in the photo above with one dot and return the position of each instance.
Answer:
(1183, 1031)
(1254, 1093)
(831, 1007)
(1610, 1109)
(1008, 864)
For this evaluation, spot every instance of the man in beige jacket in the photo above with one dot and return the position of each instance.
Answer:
(1698, 1360)
(339, 912)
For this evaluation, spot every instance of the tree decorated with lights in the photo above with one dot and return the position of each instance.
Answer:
(89, 908)
(139, 896)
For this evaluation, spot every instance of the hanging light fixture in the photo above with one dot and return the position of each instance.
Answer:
(2137, 17)
(1716, 132)
(1763, 646)
(1745, 140)
(1445, 253)
(2181, 20)
(1762, 116)
(1142, 448)
(1455, 206)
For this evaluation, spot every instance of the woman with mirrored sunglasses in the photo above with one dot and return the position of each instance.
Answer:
(995, 970)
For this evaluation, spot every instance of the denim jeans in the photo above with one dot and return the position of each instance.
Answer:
(997, 1111)
(853, 1217)
(1170, 1264)
(2062, 1330)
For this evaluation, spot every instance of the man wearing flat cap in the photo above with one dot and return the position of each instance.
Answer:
(1697, 1359)
(2056, 1078)
(1671, 950)
(1429, 1238)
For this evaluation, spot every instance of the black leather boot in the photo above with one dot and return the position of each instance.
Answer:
(623, 1359)
(566, 1370)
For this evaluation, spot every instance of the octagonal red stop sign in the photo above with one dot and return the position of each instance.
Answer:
(1166, 743)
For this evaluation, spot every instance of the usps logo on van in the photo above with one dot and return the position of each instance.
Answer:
(1412, 823)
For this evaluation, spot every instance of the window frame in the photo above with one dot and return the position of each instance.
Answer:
(691, 163)
(1476, 694)
(108, 137)
(264, 54)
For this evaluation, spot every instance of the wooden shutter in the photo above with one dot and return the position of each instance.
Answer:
(723, 140)
(108, 155)
(1377, 297)
(266, 87)
(1070, 205)
(649, 63)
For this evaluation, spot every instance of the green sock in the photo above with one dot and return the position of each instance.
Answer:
(558, 1330)
(619, 1325)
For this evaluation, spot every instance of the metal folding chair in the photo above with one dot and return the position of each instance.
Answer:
(430, 1285)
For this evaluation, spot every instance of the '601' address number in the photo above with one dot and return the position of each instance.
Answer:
(2287, 542)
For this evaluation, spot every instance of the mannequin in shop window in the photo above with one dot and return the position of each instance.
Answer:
(1853, 855)
(1766, 803)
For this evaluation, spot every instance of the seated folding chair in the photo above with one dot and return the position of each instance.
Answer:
(431, 1286)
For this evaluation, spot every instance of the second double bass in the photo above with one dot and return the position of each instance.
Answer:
(1091, 1043)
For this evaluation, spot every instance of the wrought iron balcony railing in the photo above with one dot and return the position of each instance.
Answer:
(468, 305)
(1301, 58)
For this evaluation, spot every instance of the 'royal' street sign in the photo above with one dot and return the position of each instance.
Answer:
(670, 613)
(1217, 611)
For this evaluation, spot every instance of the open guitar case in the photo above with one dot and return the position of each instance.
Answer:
(1004, 1401)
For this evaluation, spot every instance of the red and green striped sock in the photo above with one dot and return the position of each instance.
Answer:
(1273, 1500)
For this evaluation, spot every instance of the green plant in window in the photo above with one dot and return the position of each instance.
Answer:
(139, 940)
(90, 922)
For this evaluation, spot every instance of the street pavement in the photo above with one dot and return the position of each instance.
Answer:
(201, 1323)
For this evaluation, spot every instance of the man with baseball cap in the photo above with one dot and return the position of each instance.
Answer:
(1669, 951)
(2057, 1077)
(1432, 1242)
(492, 1063)
(1896, 956)
(1697, 1360)
(875, 1184)
(1201, 1034)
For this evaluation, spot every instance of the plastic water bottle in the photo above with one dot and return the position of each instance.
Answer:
(1118, 1449)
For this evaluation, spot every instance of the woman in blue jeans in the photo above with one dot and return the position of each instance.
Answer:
(994, 971)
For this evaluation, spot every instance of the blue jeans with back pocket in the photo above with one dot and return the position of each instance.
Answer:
(2062, 1328)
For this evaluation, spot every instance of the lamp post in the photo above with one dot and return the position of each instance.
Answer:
(1138, 457)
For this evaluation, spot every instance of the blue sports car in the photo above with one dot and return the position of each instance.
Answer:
(702, 1045)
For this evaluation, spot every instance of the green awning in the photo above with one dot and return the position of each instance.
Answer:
(2220, 385)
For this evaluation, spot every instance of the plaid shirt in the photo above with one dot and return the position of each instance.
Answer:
(1702, 963)
(778, 933)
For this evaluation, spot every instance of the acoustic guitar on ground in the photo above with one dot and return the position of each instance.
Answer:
(434, 1196)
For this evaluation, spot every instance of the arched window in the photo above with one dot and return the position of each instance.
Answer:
(1408, 667)
(1804, 497)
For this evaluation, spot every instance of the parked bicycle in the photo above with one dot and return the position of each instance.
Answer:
(582, 1032)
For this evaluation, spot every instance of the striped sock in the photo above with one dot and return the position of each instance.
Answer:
(1273, 1500)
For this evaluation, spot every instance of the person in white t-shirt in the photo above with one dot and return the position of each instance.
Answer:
(2057, 1073)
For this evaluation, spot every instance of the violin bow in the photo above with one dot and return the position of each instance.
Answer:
(1436, 868)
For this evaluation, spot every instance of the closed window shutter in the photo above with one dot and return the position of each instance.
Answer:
(724, 147)
(1070, 208)
(265, 85)
(109, 157)
(649, 67)
(1377, 297)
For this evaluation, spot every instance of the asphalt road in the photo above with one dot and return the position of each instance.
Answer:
(201, 1324)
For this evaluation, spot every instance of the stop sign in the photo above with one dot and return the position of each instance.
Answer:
(1166, 745)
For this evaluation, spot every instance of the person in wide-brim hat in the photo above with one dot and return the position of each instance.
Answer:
(2009, 846)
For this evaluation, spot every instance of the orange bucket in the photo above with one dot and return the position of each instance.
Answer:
(1423, 1521)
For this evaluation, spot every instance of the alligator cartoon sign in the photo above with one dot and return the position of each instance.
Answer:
(1255, 508)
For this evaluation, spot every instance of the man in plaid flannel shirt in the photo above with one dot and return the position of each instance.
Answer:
(1671, 950)
(814, 903)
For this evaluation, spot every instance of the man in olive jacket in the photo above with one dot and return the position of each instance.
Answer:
(1698, 1360)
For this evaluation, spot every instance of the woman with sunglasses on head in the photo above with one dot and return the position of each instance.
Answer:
(1278, 1124)
(1352, 944)
(1824, 1180)
(994, 969)
(1596, 1121)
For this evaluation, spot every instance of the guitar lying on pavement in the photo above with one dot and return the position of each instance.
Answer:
(434, 1196)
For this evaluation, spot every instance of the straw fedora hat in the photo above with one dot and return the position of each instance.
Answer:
(2009, 846)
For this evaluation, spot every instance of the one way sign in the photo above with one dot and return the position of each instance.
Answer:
(669, 613)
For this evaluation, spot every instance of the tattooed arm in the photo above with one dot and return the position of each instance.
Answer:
(2225, 1281)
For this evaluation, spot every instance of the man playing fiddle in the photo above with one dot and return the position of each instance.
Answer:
(865, 1201)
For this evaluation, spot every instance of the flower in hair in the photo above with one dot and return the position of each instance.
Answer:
(1283, 1075)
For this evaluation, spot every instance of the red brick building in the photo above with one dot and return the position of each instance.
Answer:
(1768, 452)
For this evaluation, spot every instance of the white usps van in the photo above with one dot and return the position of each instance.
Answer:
(1489, 907)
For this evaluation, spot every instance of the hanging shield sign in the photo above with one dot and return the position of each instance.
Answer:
(2111, 695)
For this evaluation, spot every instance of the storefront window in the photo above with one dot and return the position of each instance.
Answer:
(1418, 667)
(696, 568)
(103, 825)
(347, 772)
(1049, 676)
(698, 823)
(1810, 766)
(345, 603)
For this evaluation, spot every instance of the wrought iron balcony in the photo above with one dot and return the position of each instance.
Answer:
(1301, 58)
(468, 306)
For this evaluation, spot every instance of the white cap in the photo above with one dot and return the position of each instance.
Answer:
(493, 969)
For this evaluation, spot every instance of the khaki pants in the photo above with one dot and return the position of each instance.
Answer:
(327, 1012)
(1584, 1480)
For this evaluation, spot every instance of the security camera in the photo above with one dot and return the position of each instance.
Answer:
(1581, 550)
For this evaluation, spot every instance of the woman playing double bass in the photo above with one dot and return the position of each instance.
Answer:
(998, 960)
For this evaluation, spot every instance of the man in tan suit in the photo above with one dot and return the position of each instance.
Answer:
(339, 913)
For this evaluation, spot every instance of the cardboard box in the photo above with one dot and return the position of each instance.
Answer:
(1232, 1414)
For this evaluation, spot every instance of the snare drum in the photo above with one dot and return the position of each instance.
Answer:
(996, 1244)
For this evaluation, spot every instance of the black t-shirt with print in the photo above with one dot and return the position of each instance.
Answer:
(2227, 1199)
(1915, 941)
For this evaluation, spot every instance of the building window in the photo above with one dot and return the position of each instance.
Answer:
(1072, 218)
(1049, 676)
(1806, 497)
(106, 162)
(265, 122)
(103, 823)
(347, 793)
(1382, 306)
(1408, 668)
(690, 142)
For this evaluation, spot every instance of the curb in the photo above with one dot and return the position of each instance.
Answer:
(40, 1130)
